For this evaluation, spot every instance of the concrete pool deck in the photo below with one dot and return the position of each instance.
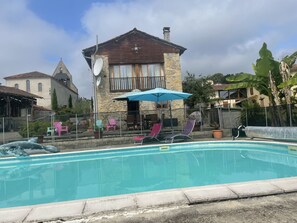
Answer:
(99, 207)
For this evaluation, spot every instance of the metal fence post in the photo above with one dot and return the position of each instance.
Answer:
(121, 124)
(3, 130)
(266, 118)
(76, 123)
(246, 117)
(28, 125)
(290, 114)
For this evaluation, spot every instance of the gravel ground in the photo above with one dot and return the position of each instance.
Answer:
(281, 208)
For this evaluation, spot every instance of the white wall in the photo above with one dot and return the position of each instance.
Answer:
(45, 101)
(48, 84)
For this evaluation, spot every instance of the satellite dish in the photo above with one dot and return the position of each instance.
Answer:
(98, 66)
(98, 81)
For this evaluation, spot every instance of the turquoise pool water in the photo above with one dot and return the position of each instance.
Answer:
(80, 175)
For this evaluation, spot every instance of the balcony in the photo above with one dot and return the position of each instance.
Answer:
(141, 83)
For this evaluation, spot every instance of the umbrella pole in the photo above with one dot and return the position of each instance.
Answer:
(140, 119)
(170, 111)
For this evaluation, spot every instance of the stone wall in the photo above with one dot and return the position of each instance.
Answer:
(172, 70)
(105, 100)
(108, 107)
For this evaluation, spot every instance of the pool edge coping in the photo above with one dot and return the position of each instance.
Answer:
(70, 210)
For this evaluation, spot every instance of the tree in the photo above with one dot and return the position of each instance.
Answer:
(54, 101)
(70, 102)
(82, 106)
(200, 88)
(288, 80)
(217, 78)
(266, 79)
(92, 104)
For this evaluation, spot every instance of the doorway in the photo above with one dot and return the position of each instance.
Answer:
(133, 107)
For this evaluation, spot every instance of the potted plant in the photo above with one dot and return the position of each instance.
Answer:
(96, 132)
(217, 132)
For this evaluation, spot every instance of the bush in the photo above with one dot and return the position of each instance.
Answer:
(36, 128)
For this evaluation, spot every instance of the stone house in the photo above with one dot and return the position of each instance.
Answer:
(135, 61)
(43, 85)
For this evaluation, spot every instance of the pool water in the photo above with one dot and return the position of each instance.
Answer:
(80, 175)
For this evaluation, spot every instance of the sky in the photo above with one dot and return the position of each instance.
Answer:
(221, 36)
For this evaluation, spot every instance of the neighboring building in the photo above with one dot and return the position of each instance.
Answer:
(136, 60)
(233, 98)
(15, 103)
(63, 75)
(43, 85)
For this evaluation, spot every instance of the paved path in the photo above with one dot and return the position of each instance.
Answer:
(274, 209)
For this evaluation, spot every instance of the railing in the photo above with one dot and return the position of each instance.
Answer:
(141, 83)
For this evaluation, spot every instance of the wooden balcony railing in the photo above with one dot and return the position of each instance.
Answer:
(141, 83)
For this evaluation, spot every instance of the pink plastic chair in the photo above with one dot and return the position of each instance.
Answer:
(58, 126)
(112, 123)
(152, 136)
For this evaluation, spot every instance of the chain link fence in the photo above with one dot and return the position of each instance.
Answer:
(84, 125)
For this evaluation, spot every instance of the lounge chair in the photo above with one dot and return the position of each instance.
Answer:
(183, 135)
(151, 136)
(111, 124)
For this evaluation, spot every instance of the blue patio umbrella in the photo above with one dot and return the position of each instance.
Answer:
(157, 95)
(125, 96)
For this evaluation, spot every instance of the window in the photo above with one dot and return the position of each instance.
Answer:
(233, 94)
(224, 94)
(120, 71)
(151, 70)
(28, 85)
(251, 91)
(16, 86)
(136, 76)
(39, 87)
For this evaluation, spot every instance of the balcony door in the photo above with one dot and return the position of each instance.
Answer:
(136, 76)
(133, 107)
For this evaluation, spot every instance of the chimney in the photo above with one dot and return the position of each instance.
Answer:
(166, 32)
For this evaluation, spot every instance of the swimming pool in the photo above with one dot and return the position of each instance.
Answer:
(79, 175)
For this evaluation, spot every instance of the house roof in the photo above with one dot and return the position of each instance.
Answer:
(91, 50)
(219, 87)
(34, 74)
(4, 90)
(61, 68)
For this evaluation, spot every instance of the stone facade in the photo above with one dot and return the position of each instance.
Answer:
(107, 105)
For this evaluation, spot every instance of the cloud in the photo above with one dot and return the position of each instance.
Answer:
(28, 43)
(220, 36)
(31, 44)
